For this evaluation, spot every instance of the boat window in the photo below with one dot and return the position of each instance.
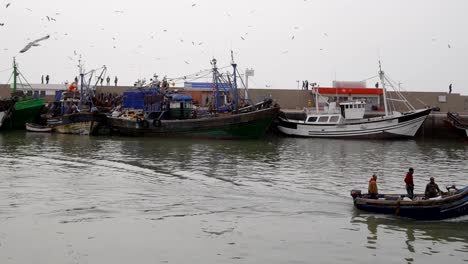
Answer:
(323, 119)
(312, 119)
(334, 119)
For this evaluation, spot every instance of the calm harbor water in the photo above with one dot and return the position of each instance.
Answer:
(78, 199)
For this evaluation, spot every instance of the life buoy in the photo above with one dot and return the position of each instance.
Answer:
(157, 123)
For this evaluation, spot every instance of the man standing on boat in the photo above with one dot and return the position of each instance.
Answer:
(372, 190)
(409, 183)
(432, 189)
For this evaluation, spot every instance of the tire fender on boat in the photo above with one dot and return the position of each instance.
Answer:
(144, 124)
(157, 123)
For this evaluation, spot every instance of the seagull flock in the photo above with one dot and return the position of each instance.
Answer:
(243, 37)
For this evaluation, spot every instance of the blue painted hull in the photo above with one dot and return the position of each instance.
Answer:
(450, 206)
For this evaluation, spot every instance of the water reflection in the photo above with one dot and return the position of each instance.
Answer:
(411, 231)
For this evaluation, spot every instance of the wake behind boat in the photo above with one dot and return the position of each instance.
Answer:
(346, 120)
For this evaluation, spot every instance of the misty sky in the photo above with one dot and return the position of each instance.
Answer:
(283, 41)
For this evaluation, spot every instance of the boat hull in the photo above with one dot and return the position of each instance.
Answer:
(24, 112)
(79, 123)
(37, 128)
(233, 126)
(383, 127)
(459, 125)
(452, 206)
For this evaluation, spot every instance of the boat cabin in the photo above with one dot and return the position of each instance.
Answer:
(169, 106)
(324, 119)
(353, 109)
(180, 106)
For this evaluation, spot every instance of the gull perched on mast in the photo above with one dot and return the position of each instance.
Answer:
(34, 43)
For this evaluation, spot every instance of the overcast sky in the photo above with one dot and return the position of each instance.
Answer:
(421, 43)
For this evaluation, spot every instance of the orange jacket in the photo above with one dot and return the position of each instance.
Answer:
(372, 187)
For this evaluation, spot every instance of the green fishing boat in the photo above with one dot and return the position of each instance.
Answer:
(26, 109)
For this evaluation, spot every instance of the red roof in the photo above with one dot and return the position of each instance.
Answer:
(326, 90)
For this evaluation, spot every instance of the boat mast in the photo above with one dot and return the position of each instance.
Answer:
(215, 85)
(80, 66)
(316, 101)
(15, 75)
(234, 85)
(382, 80)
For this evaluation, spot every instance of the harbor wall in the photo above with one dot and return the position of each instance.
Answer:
(298, 99)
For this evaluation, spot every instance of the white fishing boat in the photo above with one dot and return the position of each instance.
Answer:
(346, 119)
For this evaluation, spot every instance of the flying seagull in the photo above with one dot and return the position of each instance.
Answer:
(7, 5)
(34, 43)
(2, 24)
(194, 5)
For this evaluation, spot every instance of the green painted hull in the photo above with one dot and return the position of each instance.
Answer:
(240, 126)
(26, 111)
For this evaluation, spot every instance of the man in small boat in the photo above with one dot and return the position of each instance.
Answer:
(432, 189)
(409, 183)
(372, 190)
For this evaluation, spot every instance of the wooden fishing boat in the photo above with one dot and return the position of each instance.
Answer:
(37, 128)
(458, 123)
(164, 114)
(73, 112)
(6, 107)
(454, 203)
(25, 109)
(83, 123)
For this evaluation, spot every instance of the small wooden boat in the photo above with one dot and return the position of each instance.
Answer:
(37, 128)
(458, 123)
(454, 203)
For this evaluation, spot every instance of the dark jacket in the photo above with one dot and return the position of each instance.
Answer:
(432, 190)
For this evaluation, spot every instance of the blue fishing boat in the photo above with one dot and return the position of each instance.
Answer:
(453, 203)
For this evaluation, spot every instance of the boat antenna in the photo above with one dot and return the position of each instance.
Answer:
(234, 84)
(80, 66)
(15, 75)
(382, 80)
(215, 85)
